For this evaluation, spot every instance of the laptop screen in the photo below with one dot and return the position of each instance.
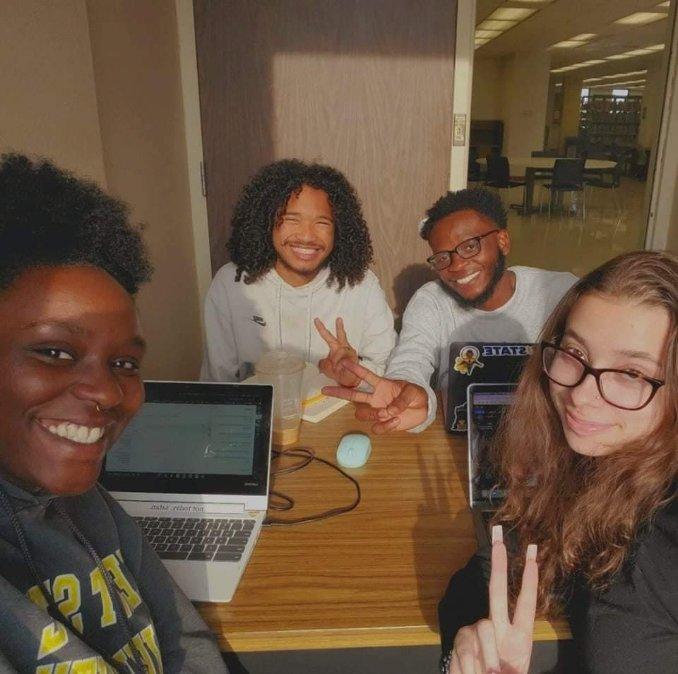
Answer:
(194, 438)
(487, 403)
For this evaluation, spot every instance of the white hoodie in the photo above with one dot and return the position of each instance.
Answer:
(244, 321)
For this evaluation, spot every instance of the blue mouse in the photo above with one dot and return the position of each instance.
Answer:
(353, 450)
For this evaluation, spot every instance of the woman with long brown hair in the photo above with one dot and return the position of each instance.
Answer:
(589, 457)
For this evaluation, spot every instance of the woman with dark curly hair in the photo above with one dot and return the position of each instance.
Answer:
(80, 587)
(300, 251)
(589, 458)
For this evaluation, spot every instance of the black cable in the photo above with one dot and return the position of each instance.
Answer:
(308, 457)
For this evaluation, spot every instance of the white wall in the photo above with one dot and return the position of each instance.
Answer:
(513, 89)
(653, 96)
(524, 96)
(486, 96)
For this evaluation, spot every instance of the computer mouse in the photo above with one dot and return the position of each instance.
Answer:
(353, 450)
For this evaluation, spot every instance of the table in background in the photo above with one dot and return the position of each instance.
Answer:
(529, 167)
(369, 578)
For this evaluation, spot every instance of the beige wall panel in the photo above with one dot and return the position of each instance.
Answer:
(136, 65)
(49, 105)
(363, 86)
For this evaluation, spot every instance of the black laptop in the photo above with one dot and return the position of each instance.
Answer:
(476, 363)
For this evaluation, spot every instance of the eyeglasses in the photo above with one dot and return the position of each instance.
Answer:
(466, 249)
(625, 389)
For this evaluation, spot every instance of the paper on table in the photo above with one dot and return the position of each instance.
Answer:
(315, 405)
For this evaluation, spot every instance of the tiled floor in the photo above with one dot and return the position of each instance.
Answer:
(567, 242)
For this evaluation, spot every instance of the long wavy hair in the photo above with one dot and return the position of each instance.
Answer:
(263, 201)
(585, 512)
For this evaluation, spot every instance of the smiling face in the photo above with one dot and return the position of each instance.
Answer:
(304, 236)
(479, 281)
(70, 350)
(609, 332)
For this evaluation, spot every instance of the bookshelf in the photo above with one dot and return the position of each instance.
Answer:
(609, 122)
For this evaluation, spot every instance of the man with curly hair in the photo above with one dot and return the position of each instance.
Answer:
(300, 251)
(475, 299)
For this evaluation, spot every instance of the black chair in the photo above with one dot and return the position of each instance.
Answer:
(499, 176)
(544, 153)
(568, 176)
(609, 180)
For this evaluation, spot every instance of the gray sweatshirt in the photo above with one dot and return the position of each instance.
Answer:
(433, 320)
(131, 619)
(243, 321)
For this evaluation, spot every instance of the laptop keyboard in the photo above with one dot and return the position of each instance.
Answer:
(216, 540)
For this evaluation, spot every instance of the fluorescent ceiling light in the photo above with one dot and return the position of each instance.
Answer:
(490, 24)
(640, 18)
(655, 47)
(583, 37)
(480, 41)
(639, 52)
(487, 33)
(512, 13)
(567, 44)
(664, 5)
(615, 76)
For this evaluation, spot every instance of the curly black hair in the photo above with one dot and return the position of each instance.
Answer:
(479, 199)
(263, 200)
(50, 218)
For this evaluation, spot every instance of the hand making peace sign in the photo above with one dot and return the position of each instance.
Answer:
(497, 644)
(394, 404)
(340, 350)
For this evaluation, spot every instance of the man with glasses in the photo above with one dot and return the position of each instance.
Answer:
(476, 299)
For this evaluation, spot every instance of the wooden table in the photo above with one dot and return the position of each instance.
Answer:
(529, 167)
(369, 578)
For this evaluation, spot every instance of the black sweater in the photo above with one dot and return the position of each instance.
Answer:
(632, 627)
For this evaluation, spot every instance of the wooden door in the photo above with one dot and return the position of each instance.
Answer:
(362, 85)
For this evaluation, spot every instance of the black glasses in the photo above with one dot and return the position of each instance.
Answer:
(625, 389)
(466, 249)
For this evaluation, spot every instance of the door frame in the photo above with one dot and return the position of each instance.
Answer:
(665, 169)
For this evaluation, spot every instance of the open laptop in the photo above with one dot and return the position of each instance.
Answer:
(486, 403)
(193, 469)
(475, 362)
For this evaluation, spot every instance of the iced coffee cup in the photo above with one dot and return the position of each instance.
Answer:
(285, 372)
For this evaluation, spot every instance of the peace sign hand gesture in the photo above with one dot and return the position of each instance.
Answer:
(340, 349)
(394, 404)
(496, 644)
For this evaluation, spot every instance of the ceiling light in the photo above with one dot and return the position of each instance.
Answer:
(664, 5)
(615, 76)
(639, 52)
(487, 33)
(512, 13)
(480, 41)
(655, 47)
(567, 44)
(639, 18)
(584, 37)
(615, 57)
(490, 24)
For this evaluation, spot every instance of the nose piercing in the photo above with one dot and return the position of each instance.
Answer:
(99, 408)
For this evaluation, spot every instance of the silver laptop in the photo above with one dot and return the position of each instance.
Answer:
(193, 469)
(486, 403)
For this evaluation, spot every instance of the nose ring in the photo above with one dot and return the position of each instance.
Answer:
(99, 408)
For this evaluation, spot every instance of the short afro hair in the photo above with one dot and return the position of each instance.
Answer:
(479, 199)
(50, 218)
(262, 202)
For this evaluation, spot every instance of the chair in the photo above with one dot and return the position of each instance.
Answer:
(608, 181)
(499, 176)
(568, 176)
